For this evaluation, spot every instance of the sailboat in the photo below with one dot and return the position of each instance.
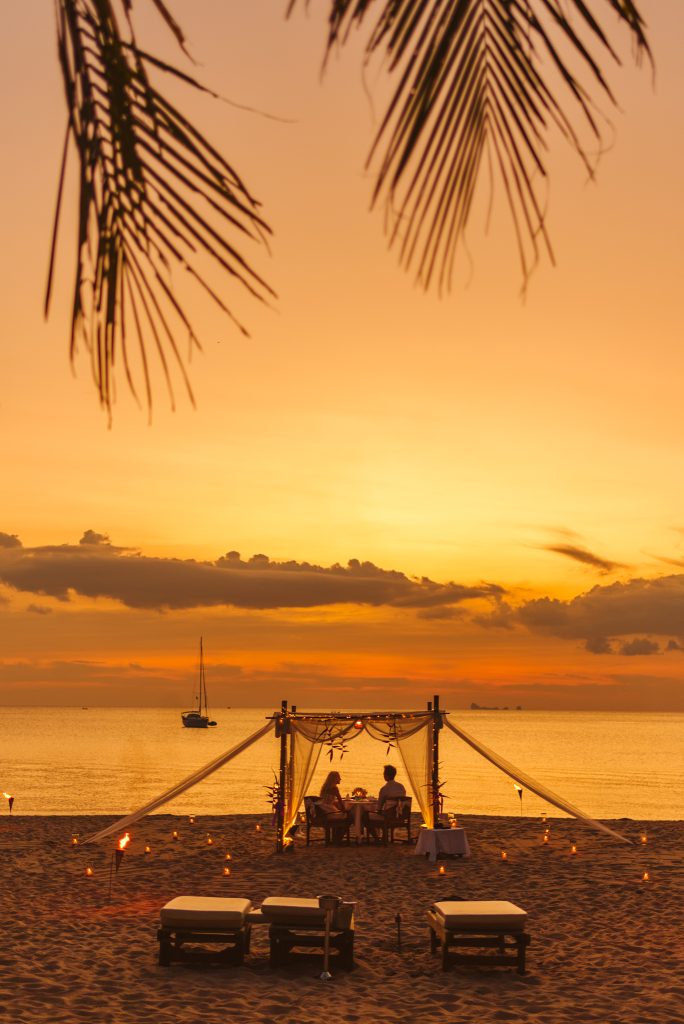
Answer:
(198, 718)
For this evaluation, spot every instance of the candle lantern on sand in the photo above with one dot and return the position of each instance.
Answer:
(226, 872)
(89, 872)
(175, 837)
(210, 841)
(442, 870)
(504, 855)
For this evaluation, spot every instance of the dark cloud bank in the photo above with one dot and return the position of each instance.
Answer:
(619, 619)
(95, 568)
(638, 609)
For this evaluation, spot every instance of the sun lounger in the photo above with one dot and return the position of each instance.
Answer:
(296, 923)
(479, 925)
(189, 921)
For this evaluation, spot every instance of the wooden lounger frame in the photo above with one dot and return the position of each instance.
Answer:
(172, 940)
(510, 945)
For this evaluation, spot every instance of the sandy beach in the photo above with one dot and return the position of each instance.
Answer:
(606, 945)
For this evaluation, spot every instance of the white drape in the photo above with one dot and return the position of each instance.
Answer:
(528, 782)
(180, 787)
(411, 734)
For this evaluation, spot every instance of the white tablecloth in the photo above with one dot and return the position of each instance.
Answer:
(357, 807)
(451, 841)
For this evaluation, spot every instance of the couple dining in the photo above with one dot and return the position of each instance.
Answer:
(331, 804)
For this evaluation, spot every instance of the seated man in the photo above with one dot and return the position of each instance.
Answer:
(388, 799)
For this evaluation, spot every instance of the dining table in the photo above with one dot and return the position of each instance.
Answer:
(357, 805)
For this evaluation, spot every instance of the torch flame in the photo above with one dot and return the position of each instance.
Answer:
(7, 796)
(124, 841)
(517, 788)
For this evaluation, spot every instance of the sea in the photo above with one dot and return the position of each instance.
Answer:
(74, 761)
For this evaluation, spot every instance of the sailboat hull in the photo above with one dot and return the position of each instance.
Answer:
(193, 720)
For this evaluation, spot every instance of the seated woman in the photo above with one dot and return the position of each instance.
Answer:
(331, 805)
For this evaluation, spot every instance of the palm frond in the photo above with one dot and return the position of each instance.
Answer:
(154, 196)
(480, 82)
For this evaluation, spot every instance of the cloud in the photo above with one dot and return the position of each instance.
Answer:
(95, 568)
(90, 537)
(39, 609)
(579, 554)
(640, 645)
(599, 645)
(9, 540)
(635, 609)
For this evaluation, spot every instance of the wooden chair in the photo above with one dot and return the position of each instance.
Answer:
(315, 819)
(397, 817)
(318, 819)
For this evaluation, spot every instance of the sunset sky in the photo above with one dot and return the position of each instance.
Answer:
(381, 494)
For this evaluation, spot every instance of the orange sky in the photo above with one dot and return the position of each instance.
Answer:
(526, 452)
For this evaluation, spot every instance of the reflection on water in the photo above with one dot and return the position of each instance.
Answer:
(111, 760)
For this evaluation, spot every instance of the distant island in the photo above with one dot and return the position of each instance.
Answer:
(480, 707)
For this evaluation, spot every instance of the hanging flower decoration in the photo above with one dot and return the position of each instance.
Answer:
(333, 736)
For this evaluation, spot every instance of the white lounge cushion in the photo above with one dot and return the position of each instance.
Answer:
(287, 907)
(485, 915)
(292, 910)
(210, 912)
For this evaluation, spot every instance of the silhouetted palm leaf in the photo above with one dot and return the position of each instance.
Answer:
(152, 189)
(479, 80)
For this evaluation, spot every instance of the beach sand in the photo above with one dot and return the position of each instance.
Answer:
(606, 946)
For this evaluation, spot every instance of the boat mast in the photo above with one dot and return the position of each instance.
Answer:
(202, 684)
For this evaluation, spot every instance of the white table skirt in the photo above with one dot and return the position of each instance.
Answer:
(357, 807)
(451, 841)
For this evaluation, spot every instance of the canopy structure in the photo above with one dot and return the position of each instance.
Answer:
(303, 736)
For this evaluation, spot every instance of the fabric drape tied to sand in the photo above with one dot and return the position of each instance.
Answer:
(528, 782)
(411, 735)
(180, 787)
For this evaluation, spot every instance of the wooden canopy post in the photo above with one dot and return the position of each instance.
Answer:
(281, 731)
(436, 726)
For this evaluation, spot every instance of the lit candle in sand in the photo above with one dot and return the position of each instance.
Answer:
(504, 855)
(442, 870)
(644, 838)
(257, 828)
(645, 877)
(226, 872)
(175, 837)
(191, 819)
(89, 872)
(74, 840)
(228, 856)
(210, 841)
(573, 850)
(148, 848)
(545, 839)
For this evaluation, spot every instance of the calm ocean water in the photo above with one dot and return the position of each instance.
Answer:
(112, 760)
